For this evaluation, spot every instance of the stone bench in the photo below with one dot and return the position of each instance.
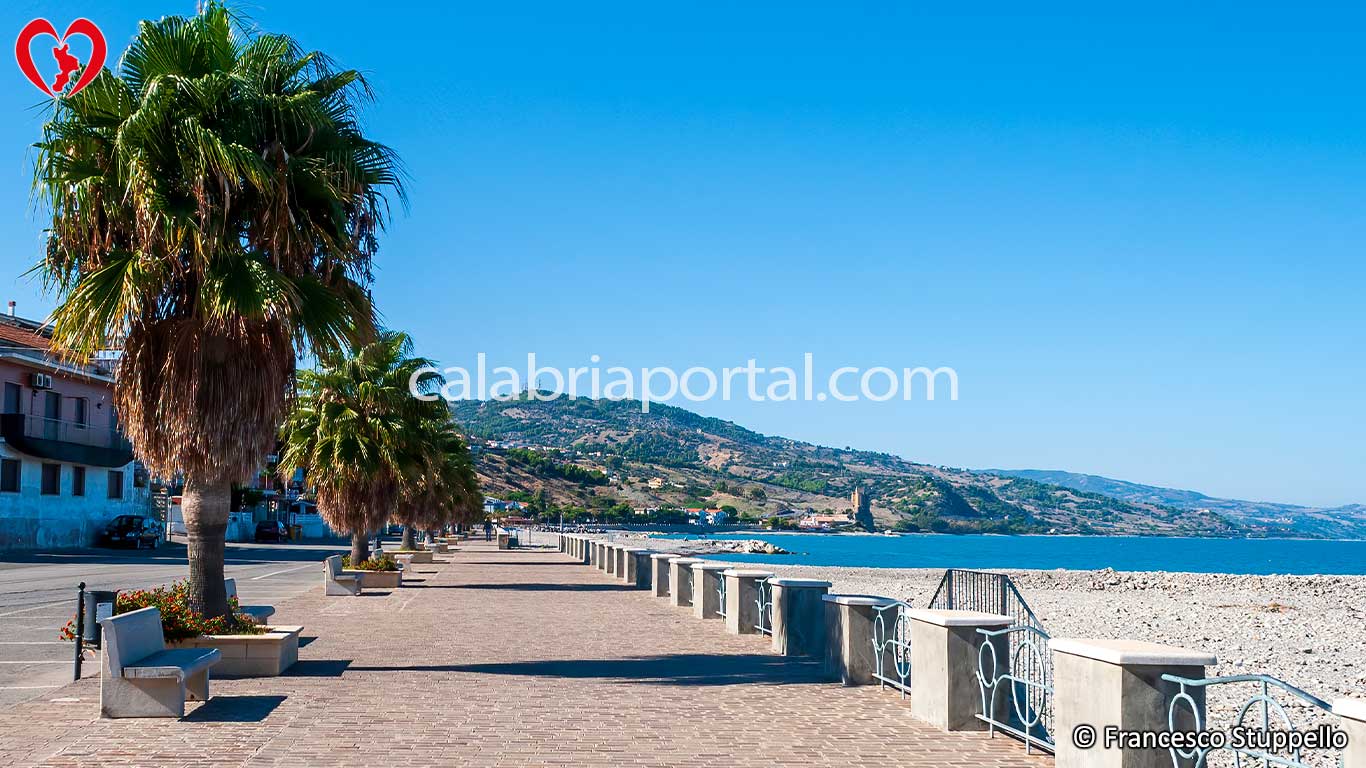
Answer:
(337, 583)
(139, 677)
(258, 613)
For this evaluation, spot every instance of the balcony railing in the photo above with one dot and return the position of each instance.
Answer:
(65, 440)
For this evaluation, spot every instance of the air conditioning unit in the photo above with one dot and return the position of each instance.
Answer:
(42, 381)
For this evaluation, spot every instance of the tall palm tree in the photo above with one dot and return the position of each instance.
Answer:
(358, 433)
(214, 206)
(444, 488)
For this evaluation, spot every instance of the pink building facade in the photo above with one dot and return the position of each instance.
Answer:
(65, 469)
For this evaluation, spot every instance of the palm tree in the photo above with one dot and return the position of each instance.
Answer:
(359, 434)
(214, 207)
(444, 488)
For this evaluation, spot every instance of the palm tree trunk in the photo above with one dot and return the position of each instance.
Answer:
(409, 541)
(360, 547)
(205, 507)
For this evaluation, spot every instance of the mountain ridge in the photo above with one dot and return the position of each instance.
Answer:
(672, 457)
(1342, 521)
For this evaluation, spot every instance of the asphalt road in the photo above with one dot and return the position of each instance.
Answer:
(38, 596)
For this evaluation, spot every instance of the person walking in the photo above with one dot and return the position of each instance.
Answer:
(488, 530)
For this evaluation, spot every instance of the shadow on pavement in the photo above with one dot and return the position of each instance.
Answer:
(235, 709)
(521, 563)
(694, 669)
(538, 587)
(317, 668)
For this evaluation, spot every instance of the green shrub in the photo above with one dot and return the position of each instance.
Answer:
(382, 563)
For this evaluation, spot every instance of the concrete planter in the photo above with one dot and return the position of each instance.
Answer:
(265, 655)
(377, 579)
(420, 556)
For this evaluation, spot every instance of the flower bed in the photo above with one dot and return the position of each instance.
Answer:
(178, 620)
(383, 562)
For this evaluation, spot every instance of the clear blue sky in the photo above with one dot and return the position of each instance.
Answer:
(1137, 234)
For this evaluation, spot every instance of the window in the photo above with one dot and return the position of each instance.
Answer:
(12, 394)
(115, 484)
(82, 412)
(78, 481)
(9, 475)
(52, 480)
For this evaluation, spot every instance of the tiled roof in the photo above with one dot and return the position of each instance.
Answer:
(14, 336)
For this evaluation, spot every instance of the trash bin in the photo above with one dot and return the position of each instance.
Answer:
(99, 604)
(296, 532)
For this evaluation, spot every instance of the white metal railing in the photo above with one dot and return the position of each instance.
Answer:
(764, 601)
(892, 647)
(1019, 701)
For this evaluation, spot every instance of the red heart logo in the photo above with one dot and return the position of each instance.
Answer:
(66, 63)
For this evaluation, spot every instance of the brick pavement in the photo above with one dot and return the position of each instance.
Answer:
(508, 659)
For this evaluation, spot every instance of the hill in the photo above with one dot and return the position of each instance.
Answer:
(1347, 521)
(674, 458)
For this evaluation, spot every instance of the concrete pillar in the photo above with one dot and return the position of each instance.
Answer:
(639, 567)
(798, 616)
(849, 653)
(1118, 683)
(944, 648)
(592, 547)
(706, 597)
(602, 556)
(680, 580)
(742, 600)
(1353, 720)
(659, 576)
(622, 557)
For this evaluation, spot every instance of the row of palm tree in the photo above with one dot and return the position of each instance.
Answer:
(374, 452)
(215, 207)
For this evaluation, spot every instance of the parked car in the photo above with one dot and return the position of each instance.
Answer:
(131, 530)
(271, 530)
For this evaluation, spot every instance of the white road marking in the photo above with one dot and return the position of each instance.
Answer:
(63, 661)
(287, 570)
(34, 608)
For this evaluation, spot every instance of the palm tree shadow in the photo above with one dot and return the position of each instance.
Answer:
(687, 669)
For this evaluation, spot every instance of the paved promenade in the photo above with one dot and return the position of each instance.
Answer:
(507, 659)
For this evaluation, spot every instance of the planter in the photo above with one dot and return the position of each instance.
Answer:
(264, 655)
(376, 579)
(419, 555)
(437, 547)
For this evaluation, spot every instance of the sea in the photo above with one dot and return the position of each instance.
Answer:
(1122, 553)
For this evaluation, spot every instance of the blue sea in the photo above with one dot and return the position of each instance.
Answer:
(1122, 553)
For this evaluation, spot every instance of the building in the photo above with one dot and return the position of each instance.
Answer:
(862, 505)
(65, 468)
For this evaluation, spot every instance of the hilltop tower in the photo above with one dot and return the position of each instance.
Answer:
(863, 509)
(861, 503)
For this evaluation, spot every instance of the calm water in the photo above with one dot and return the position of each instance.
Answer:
(1122, 553)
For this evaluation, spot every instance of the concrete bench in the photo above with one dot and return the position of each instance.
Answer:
(258, 613)
(139, 677)
(337, 583)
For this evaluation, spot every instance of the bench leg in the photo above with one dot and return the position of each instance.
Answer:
(197, 686)
(157, 697)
